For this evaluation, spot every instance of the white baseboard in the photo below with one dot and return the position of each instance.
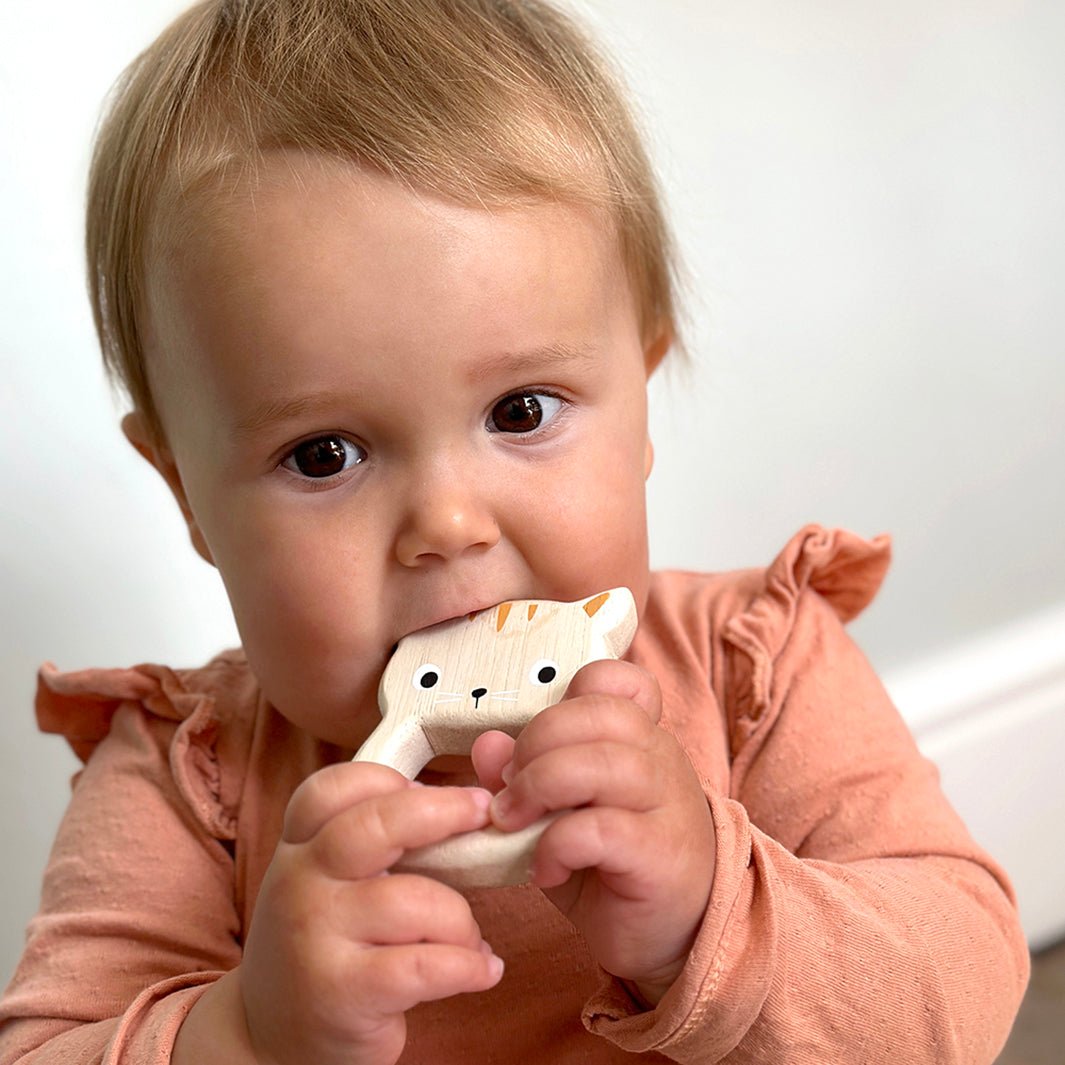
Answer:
(991, 714)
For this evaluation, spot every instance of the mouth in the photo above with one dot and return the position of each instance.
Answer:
(443, 616)
(446, 614)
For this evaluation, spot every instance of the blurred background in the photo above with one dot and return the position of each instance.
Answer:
(868, 203)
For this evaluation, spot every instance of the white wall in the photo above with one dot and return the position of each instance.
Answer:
(868, 199)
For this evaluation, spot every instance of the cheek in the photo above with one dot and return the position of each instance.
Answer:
(597, 511)
(296, 591)
(313, 650)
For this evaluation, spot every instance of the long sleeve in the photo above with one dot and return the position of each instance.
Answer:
(852, 917)
(136, 891)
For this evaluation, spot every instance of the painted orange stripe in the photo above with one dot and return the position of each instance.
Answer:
(591, 608)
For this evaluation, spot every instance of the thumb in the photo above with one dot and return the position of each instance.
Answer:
(491, 754)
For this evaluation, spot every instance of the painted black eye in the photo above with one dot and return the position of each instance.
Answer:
(324, 456)
(426, 677)
(543, 672)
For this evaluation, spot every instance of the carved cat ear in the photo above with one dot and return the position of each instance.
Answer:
(613, 617)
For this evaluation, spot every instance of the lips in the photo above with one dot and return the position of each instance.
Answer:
(449, 609)
(452, 613)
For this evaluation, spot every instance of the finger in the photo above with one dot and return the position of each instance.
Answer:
(625, 680)
(364, 840)
(397, 909)
(491, 752)
(585, 719)
(612, 841)
(400, 977)
(332, 790)
(591, 774)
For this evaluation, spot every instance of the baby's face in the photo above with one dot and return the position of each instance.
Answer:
(384, 410)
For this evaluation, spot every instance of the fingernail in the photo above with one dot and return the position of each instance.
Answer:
(482, 799)
(507, 772)
(495, 962)
(502, 804)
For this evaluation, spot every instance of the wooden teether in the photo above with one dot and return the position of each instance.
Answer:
(495, 669)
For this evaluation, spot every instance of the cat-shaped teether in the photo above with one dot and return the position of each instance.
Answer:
(495, 669)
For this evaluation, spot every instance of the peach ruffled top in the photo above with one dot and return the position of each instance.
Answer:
(852, 917)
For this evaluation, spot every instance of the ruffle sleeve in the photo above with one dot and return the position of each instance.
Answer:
(121, 947)
(81, 705)
(844, 569)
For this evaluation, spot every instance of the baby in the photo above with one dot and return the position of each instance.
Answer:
(385, 281)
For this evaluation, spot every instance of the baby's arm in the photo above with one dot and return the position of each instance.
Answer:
(337, 952)
(863, 920)
(137, 913)
(848, 915)
(852, 918)
(139, 928)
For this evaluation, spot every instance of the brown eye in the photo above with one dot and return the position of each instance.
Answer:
(325, 456)
(523, 412)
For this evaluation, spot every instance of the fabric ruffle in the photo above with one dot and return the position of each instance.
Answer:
(843, 568)
(80, 706)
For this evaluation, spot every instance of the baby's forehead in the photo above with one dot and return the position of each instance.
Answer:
(330, 254)
(222, 215)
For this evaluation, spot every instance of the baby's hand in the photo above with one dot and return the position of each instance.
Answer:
(339, 949)
(632, 865)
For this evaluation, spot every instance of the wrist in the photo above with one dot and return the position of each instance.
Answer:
(647, 992)
(216, 1029)
(646, 995)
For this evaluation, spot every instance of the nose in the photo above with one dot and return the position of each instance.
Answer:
(445, 524)
(479, 693)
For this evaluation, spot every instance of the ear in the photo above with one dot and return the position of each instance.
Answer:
(656, 349)
(138, 432)
(653, 353)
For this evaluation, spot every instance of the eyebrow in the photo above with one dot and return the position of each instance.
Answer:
(275, 411)
(519, 361)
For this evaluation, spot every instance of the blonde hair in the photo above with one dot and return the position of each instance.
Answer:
(482, 101)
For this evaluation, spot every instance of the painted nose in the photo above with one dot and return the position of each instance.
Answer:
(479, 693)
